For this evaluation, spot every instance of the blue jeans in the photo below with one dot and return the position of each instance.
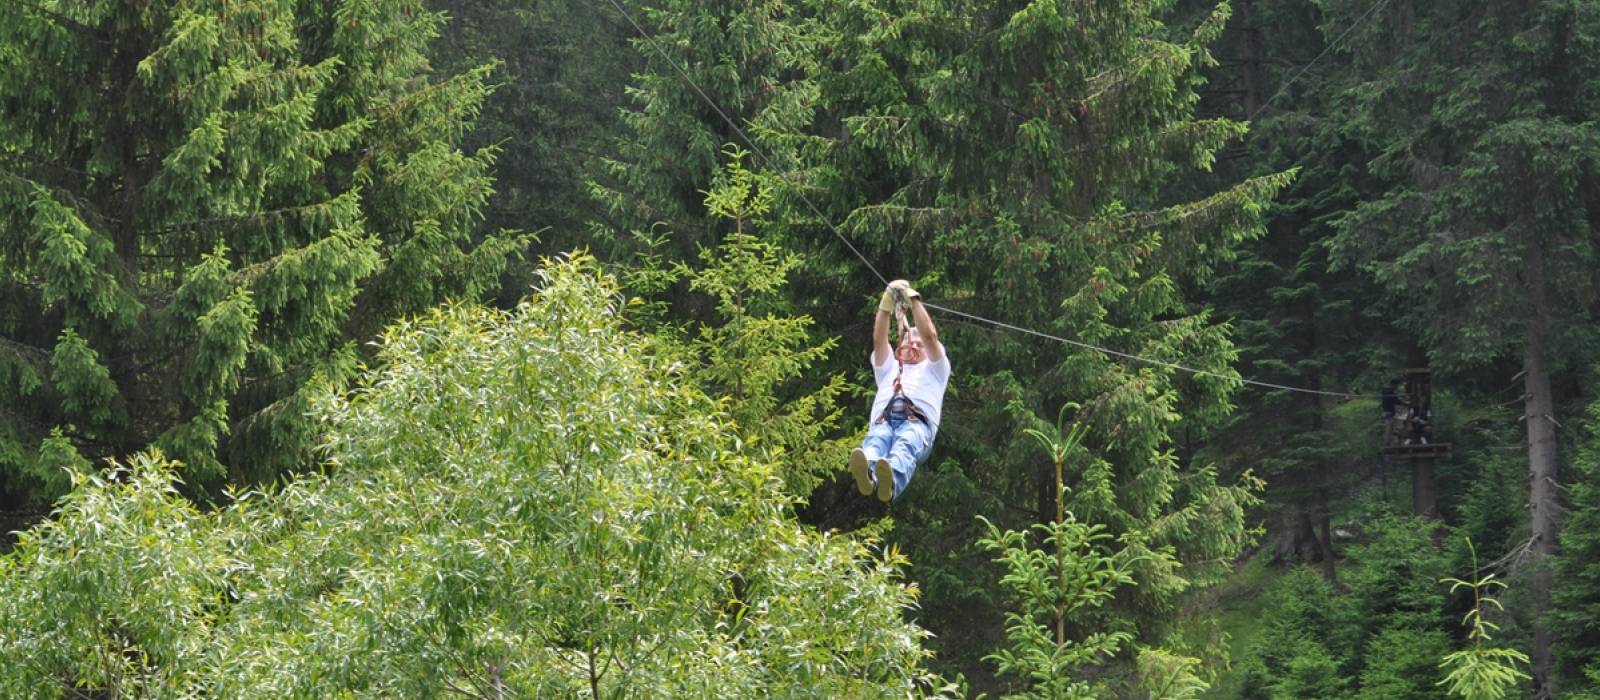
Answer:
(904, 443)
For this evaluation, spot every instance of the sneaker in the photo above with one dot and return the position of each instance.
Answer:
(858, 469)
(885, 481)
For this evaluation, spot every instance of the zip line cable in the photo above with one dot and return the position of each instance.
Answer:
(752, 142)
(768, 162)
(1285, 87)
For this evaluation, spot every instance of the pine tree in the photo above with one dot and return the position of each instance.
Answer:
(1482, 227)
(1295, 320)
(1009, 159)
(555, 112)
(205, 208)
(1577, 591)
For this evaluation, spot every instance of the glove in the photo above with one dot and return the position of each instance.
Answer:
(886, 304)
(903, 290)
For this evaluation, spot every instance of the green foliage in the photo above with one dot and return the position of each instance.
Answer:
(1480, 220)
(1049, 585)
(1383, 638)
(1050, 590)
(1392, 575)
(1010, 160)
(562, 82)
(1591, 689)
(744, 56)
(1480, 166)
(1168, 676)
(205, 206)
(1305, 646)
(1481, 672)
(531, 503)
(1402, 663)
(748, 352)
(1576, 616)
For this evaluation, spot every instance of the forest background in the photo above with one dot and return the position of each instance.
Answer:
(298, 365)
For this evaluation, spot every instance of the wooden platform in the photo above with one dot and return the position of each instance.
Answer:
(1433, 450)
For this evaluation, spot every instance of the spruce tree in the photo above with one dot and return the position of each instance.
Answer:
(1296, 320)
(555, 112)
(738, 54)
(205, 209)
(1577, 591)
(1481, 224)
(1010, 158)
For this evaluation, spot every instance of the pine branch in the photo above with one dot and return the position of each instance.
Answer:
(91, 33)
(78, 204)
(246, 218)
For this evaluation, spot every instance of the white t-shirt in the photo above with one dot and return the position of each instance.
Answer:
(923, 383)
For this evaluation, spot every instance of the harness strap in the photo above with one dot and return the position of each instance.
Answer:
(900, 407)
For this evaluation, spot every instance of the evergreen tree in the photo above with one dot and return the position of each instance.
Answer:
(1295, 320)
(1481, 671)
(1482, 227)
(744, 56)
(205, 207)
(1008, 158)
(1306, 643)
(749, 353)
(1577, 592)
(1050, 588)
(555, 112)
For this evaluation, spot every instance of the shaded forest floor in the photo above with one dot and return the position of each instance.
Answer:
(1228, 618)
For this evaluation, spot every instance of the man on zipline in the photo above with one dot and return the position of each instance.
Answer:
(905, 412)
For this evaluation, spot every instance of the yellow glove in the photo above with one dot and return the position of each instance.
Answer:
(886, 304)
(903, 290)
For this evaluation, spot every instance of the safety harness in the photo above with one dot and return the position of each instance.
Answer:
(900, 407)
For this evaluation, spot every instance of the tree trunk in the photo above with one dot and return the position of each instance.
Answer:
(1424, 482)
(1324, 519)
(1543, 496)
(1295, 538)
(1424, 490)
(1255, 52)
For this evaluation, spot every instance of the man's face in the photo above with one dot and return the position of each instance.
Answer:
(910, 351)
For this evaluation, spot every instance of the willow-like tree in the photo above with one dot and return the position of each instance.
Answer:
(1483, 225)
(206, 205)
(525, 504)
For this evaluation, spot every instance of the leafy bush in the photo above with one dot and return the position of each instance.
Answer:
(520, 504)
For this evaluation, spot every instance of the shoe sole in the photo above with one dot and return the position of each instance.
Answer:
(885, 481)
(858, 469)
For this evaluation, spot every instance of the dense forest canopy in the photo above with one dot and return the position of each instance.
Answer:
(515, 348)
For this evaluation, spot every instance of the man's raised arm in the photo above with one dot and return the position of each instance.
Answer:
(881, 352)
